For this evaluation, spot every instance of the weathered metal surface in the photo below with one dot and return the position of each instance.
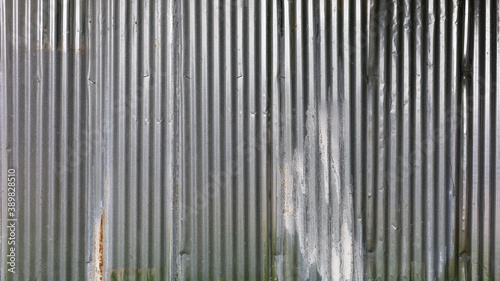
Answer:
(209, 140)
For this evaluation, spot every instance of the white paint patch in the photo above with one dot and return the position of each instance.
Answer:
(336, 274)
(323, 150)
(288, 203)
(347, 249)
(323, 223)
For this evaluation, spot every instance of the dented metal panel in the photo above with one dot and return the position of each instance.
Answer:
(250, 140)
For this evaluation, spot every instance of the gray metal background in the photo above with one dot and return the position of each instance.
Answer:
(235, 140)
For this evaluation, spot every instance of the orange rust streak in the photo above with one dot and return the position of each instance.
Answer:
(101, 247)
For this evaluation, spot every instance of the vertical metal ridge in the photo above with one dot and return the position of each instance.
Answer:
(405, 162)
(228, 89)
(216, 176)
(452, 142)
(6, 128)
(495, 141)
(488, 227)
(394, 135)
(370, 158)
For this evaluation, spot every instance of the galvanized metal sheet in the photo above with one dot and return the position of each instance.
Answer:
(250, 140)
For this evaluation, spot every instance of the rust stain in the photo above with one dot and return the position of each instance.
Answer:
(98, 264)
(100, 248)
(77, 50)
(82, 49)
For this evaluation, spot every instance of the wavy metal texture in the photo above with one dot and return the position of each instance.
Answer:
(251, 140)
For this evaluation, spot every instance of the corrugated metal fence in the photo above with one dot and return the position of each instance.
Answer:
(250, 140)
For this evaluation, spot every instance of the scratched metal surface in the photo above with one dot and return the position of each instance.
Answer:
(251, 140)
